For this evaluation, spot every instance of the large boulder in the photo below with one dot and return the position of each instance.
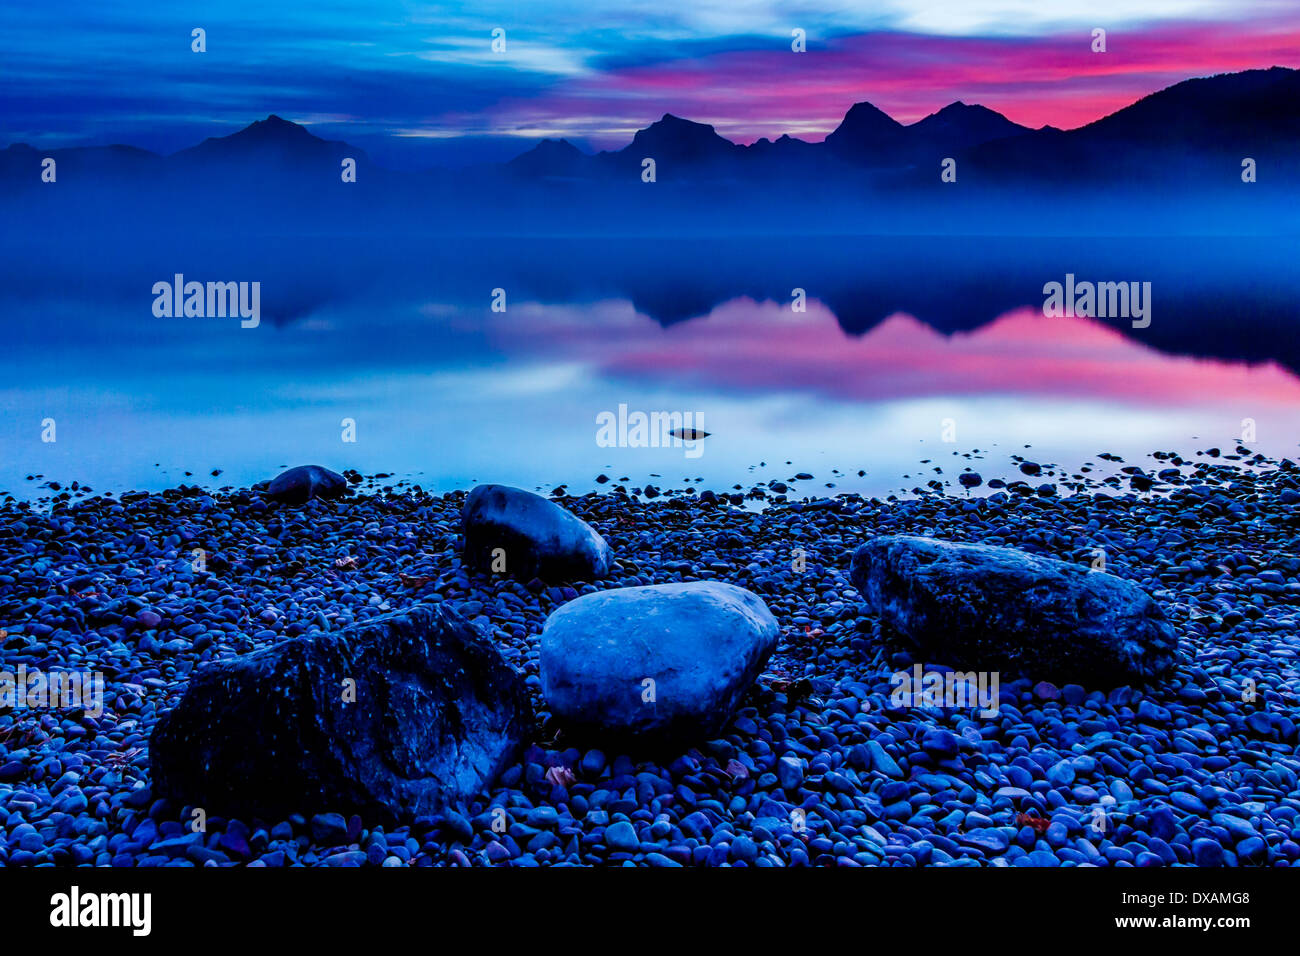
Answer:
(985, 608)
(538, 537)
(702, 644)
(437, 713)
(299, 485)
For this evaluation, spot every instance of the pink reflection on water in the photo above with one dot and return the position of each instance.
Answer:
(743, 346)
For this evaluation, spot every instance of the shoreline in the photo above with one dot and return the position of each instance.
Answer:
(108, 584)
(1100, 473)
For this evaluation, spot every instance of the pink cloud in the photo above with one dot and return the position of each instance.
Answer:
(1054, 80)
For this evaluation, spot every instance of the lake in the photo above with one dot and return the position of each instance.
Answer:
(387, 356)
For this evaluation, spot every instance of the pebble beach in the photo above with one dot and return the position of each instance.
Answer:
(816, 766)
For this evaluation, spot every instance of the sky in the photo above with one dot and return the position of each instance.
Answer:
(419, 84)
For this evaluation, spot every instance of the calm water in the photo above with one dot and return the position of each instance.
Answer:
(899, 348)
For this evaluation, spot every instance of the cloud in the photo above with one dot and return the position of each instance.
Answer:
(748, 91)
(391, 76)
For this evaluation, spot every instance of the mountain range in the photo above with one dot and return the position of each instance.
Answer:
(1195, 134)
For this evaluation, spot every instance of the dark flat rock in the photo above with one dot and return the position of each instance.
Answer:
(438, 713)
(301, 484)
(999, 609)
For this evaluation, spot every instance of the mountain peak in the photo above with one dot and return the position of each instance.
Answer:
(670, 121)
(274, 136)
(275, 125)
(550, 151)
(961, 124)
(864, 114)
(961, 107)
(682, 139)
(864, 131)
(558, 145)
(551, 157)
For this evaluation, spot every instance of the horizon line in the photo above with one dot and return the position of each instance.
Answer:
(534, 142)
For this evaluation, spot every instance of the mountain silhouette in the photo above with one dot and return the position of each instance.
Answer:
(274, 142)
(20, 164)
(1171, 160)
(551, 158)
(958, 126)
(1255, 110)
(1202, 113)
(867, 136)
(674, 138)
(1189, 126)
(1199, 127)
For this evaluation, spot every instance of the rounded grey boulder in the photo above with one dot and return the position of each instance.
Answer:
(990, 608)
(532, 537)
(299, 485)
(665, 661)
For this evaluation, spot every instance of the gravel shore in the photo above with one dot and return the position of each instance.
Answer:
(817, 767)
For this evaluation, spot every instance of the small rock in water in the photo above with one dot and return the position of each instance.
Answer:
(689, 434)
